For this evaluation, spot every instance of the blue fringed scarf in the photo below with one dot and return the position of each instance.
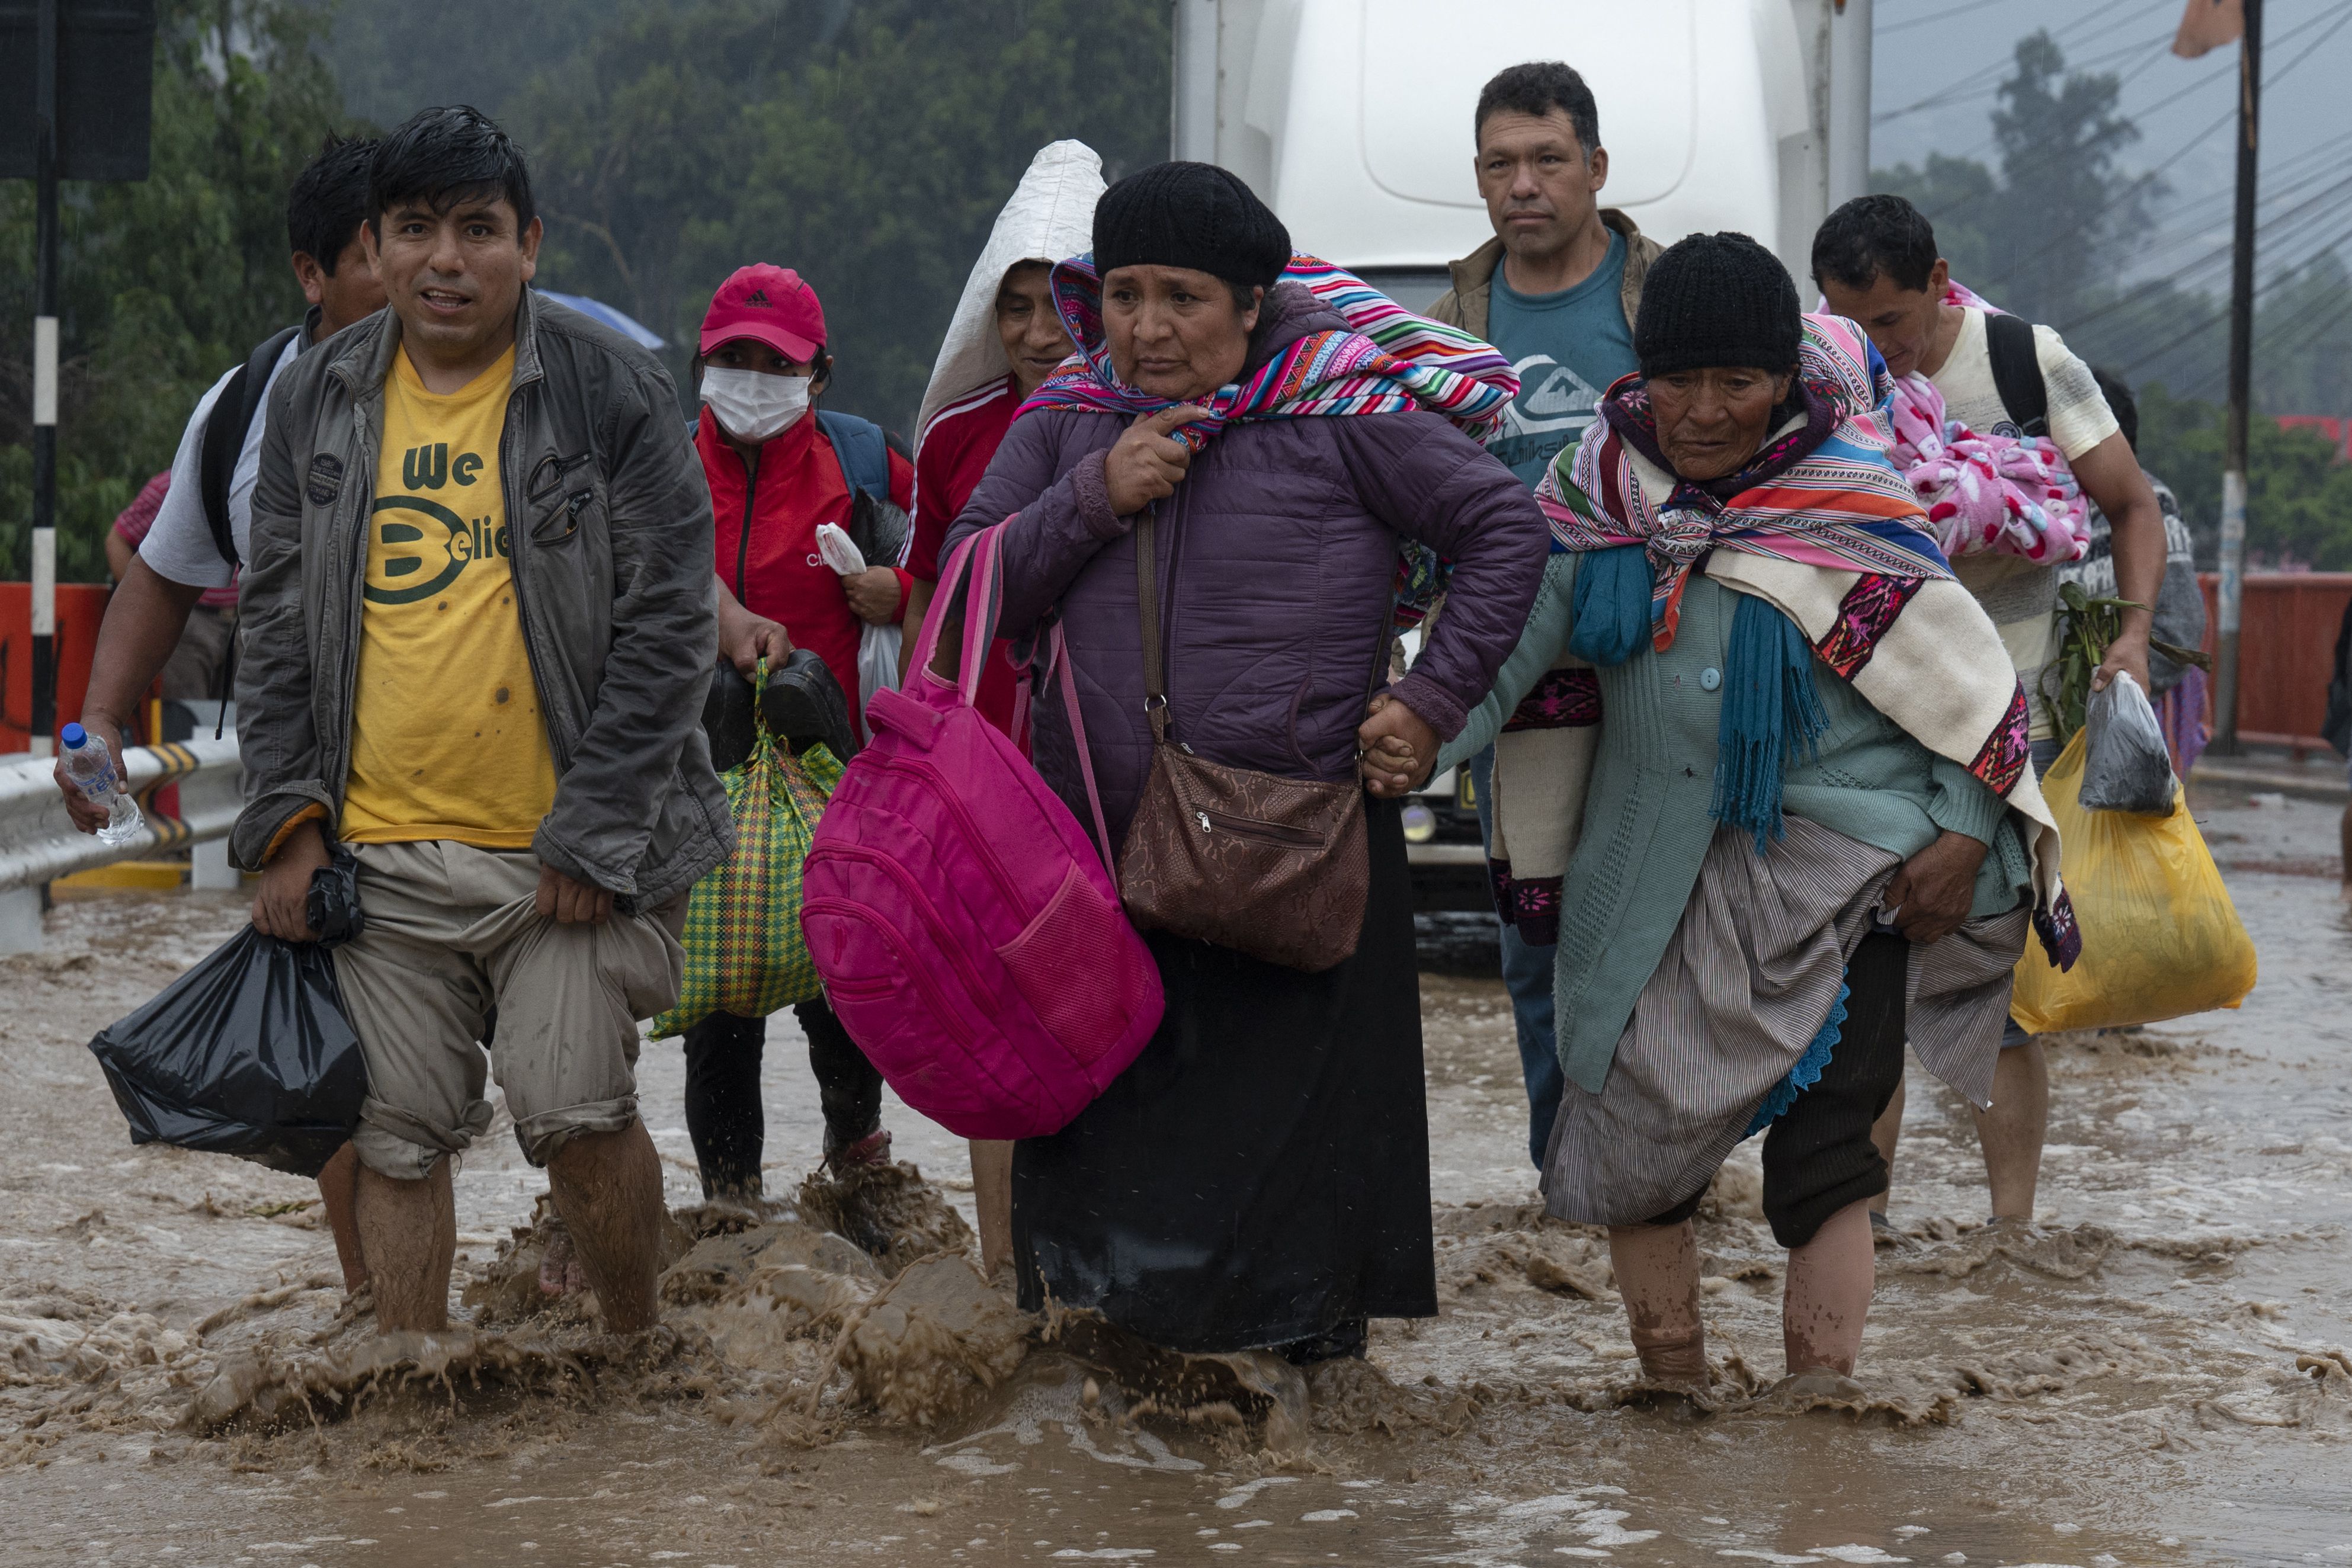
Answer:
(1771, 713)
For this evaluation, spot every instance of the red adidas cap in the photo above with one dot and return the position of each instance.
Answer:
(770, 305)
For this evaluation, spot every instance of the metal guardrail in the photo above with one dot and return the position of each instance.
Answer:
(38, 842)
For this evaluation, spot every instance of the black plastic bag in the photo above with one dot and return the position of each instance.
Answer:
(250, 1052)
(2126, 767)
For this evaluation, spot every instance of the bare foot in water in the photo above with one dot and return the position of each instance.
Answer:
(560, 1271)
(1815, 1388)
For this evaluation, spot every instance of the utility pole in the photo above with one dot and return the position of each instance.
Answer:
(44, 379)
(2241, 364)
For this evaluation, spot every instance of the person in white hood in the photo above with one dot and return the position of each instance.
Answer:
(1005, 341)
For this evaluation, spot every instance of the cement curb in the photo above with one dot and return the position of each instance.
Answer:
(2226, 775)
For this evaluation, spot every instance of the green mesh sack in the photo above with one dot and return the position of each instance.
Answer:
(744, 951)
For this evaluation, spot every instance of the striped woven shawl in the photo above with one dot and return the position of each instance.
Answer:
(1387, 361)
(1840, 505)
(1832, 541)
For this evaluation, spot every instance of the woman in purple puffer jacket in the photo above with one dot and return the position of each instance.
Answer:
(1259, 1178)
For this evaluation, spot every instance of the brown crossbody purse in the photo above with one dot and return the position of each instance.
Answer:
(1276, 868)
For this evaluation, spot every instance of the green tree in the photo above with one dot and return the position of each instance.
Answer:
(1953, 193)
(392, 60)
(2053, 236)
(690, 137)
(2303, 338)
(2298, 488)
(2046, 237)
(2066, 217)
(167, 282)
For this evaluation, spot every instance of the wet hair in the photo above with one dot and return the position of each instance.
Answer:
(439, 157)
(329, 200)
(1537, 87)
(2120, 403)
(1874, 235)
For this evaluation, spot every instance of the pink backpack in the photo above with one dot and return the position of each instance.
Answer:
(970, 939)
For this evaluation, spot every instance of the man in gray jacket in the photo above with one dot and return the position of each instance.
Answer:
(1556, 290)
(478, 626)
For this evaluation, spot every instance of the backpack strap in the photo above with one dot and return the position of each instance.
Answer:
(2017, 373)
(863, 455)
(224, 431)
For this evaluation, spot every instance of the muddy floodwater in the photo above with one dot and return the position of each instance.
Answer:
(2156, 1371)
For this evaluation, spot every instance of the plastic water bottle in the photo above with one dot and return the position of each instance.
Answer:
(92, 768)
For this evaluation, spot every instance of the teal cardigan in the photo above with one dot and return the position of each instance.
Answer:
(1646, 823)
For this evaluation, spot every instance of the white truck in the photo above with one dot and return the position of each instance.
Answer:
(1352, 120)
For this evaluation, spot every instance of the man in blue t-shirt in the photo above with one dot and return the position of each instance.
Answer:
(1556, 290)
(1568, 346)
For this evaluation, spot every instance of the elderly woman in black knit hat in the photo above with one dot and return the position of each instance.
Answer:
(1221, 552)
(1760, 772)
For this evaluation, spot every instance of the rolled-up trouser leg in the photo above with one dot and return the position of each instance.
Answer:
(452, 932)
(417, 1005)
(1817, 1157)
(569, 1001)
(723, 1112)
(848, 1085)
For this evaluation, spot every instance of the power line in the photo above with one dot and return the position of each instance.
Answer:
(2271, 199)
(2271, 78)
(2145, 180)
(2279, 181)
(1954, 91)
(2205, 262)
(2266, 229)
(2270, 341)
(1938, 16)
(2207, 325)
(2186, 226)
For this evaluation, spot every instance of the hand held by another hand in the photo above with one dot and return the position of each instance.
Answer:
(1398, 750)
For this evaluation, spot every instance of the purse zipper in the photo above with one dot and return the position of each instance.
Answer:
(1254, 828)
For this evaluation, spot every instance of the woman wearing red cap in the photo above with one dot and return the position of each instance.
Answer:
(776, 474)
(778, 469)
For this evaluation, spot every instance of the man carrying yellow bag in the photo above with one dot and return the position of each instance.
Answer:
(2161, 938)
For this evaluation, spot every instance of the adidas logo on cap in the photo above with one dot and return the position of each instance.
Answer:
(759, 297)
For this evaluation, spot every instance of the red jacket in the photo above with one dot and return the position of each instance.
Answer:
(950, 455)
(766, 516)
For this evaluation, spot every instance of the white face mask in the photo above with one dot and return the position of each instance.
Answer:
(752, 405)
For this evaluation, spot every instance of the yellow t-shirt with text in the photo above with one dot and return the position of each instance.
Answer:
(447, 740)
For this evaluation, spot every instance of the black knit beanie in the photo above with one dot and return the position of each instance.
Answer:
(1193, 215)
(1715, 300)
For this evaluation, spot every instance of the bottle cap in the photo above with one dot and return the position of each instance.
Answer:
(73, 735)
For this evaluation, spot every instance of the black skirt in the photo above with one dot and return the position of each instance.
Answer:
(1260, 1175)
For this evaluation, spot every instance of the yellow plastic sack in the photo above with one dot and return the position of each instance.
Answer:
(2161, 938)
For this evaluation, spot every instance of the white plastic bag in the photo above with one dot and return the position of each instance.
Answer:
(877, 647)
(2127, 767)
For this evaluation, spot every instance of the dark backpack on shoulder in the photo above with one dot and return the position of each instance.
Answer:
(233, 415)
(2017, 373)
(877, 527)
